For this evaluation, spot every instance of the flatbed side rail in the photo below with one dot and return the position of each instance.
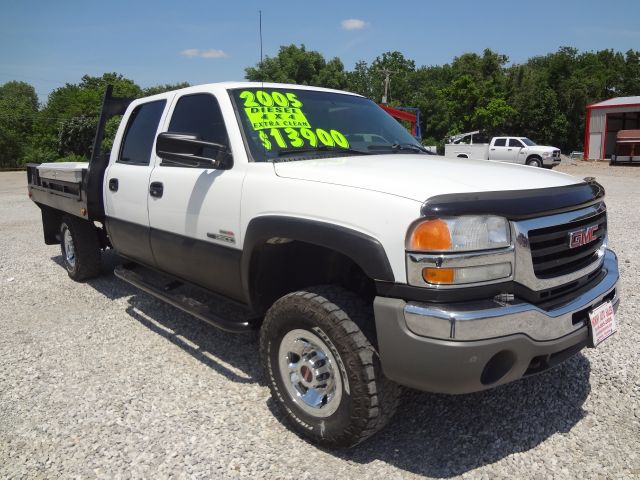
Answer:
(60, 195)
(70, 190)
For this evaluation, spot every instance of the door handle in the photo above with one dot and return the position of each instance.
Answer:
(113, 184)
(509, 149)
(156, 189)
(493, 149)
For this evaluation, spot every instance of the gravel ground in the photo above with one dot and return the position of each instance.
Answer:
(101, 380)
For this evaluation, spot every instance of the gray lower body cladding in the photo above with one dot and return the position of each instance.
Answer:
(443, 363)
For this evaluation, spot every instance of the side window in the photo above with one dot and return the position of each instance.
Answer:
(514, 142)
(500, 142)
(141, 133)
(480, 138)
(200, 115)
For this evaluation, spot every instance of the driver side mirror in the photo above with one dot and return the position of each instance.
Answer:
(188, 150)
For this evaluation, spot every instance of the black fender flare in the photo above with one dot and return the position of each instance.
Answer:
(366, 251)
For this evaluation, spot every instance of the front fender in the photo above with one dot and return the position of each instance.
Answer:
(366, 251)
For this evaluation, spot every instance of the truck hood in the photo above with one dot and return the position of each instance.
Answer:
(541, 148)
(419, 177)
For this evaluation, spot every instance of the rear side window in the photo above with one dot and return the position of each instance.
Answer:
(199, 115)
(500, 142)
(141, 133)
(480, 138)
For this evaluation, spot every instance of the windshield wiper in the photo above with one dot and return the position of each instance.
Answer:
(320, 148)
(397, 147)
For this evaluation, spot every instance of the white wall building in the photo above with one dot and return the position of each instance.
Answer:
(603, 121)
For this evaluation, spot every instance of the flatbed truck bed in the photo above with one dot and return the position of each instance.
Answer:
(67, 195)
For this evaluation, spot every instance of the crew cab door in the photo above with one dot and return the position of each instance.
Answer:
(499, 150)
(194, 212)
(126, 183)
(516, 148)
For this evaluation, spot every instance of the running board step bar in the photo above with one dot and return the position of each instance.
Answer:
(183, 302)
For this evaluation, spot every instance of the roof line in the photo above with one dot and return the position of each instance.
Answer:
(618, 105)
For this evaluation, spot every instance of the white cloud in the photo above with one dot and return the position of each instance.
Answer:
(190, 52)
(196, 52)
(353, 24)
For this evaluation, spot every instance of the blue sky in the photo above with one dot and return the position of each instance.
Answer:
(48, 43)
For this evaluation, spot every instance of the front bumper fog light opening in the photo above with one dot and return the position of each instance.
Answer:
(497, 367)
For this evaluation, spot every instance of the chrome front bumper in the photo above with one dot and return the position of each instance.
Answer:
(491, 319)
(551, 161)
(470, 346)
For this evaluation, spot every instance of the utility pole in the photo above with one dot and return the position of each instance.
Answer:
(387, 80)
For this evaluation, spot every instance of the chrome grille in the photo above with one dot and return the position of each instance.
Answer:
(551, 255)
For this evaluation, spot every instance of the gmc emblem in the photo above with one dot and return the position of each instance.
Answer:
(583, 236)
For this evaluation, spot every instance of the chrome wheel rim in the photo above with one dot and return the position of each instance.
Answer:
(69, 249)
(310, 373)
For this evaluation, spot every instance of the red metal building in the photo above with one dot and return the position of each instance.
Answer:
(603, 121)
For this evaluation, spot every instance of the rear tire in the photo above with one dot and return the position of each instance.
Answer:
(323, 372)
(80, 248)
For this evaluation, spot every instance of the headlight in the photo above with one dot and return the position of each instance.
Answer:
(547, 154)
(459, 234)
(470, 249)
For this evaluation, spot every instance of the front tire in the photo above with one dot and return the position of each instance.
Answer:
(323, 372)
(534, 162)
(80, 249)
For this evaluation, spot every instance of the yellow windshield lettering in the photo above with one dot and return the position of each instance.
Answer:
(276, 117)
(271, 112)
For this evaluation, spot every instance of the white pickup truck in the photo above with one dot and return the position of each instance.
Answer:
(501, 149)
(365, 262)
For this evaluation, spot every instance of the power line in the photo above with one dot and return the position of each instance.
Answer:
(7, 115)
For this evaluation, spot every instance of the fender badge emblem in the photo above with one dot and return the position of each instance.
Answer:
(226, 236)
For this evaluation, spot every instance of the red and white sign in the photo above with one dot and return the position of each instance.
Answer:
(603, 322)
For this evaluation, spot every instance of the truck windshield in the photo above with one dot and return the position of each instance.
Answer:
(283, 124)
(527, 142)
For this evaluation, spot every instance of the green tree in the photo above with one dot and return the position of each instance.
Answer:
(631, 74)
(67, 123)
(332, 75)
(538, 113)
(75, 136)
(359, 79)
(297, 65)
(477, 94)
(167, 87)
(18, 108)
(399, 70)
(495, 116)
(427, 85)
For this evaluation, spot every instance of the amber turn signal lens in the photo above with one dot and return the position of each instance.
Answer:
(438, 275)
(431, 235)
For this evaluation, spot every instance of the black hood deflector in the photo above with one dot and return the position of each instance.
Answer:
(516, 204)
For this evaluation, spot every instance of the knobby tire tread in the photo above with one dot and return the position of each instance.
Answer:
(350, 324)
